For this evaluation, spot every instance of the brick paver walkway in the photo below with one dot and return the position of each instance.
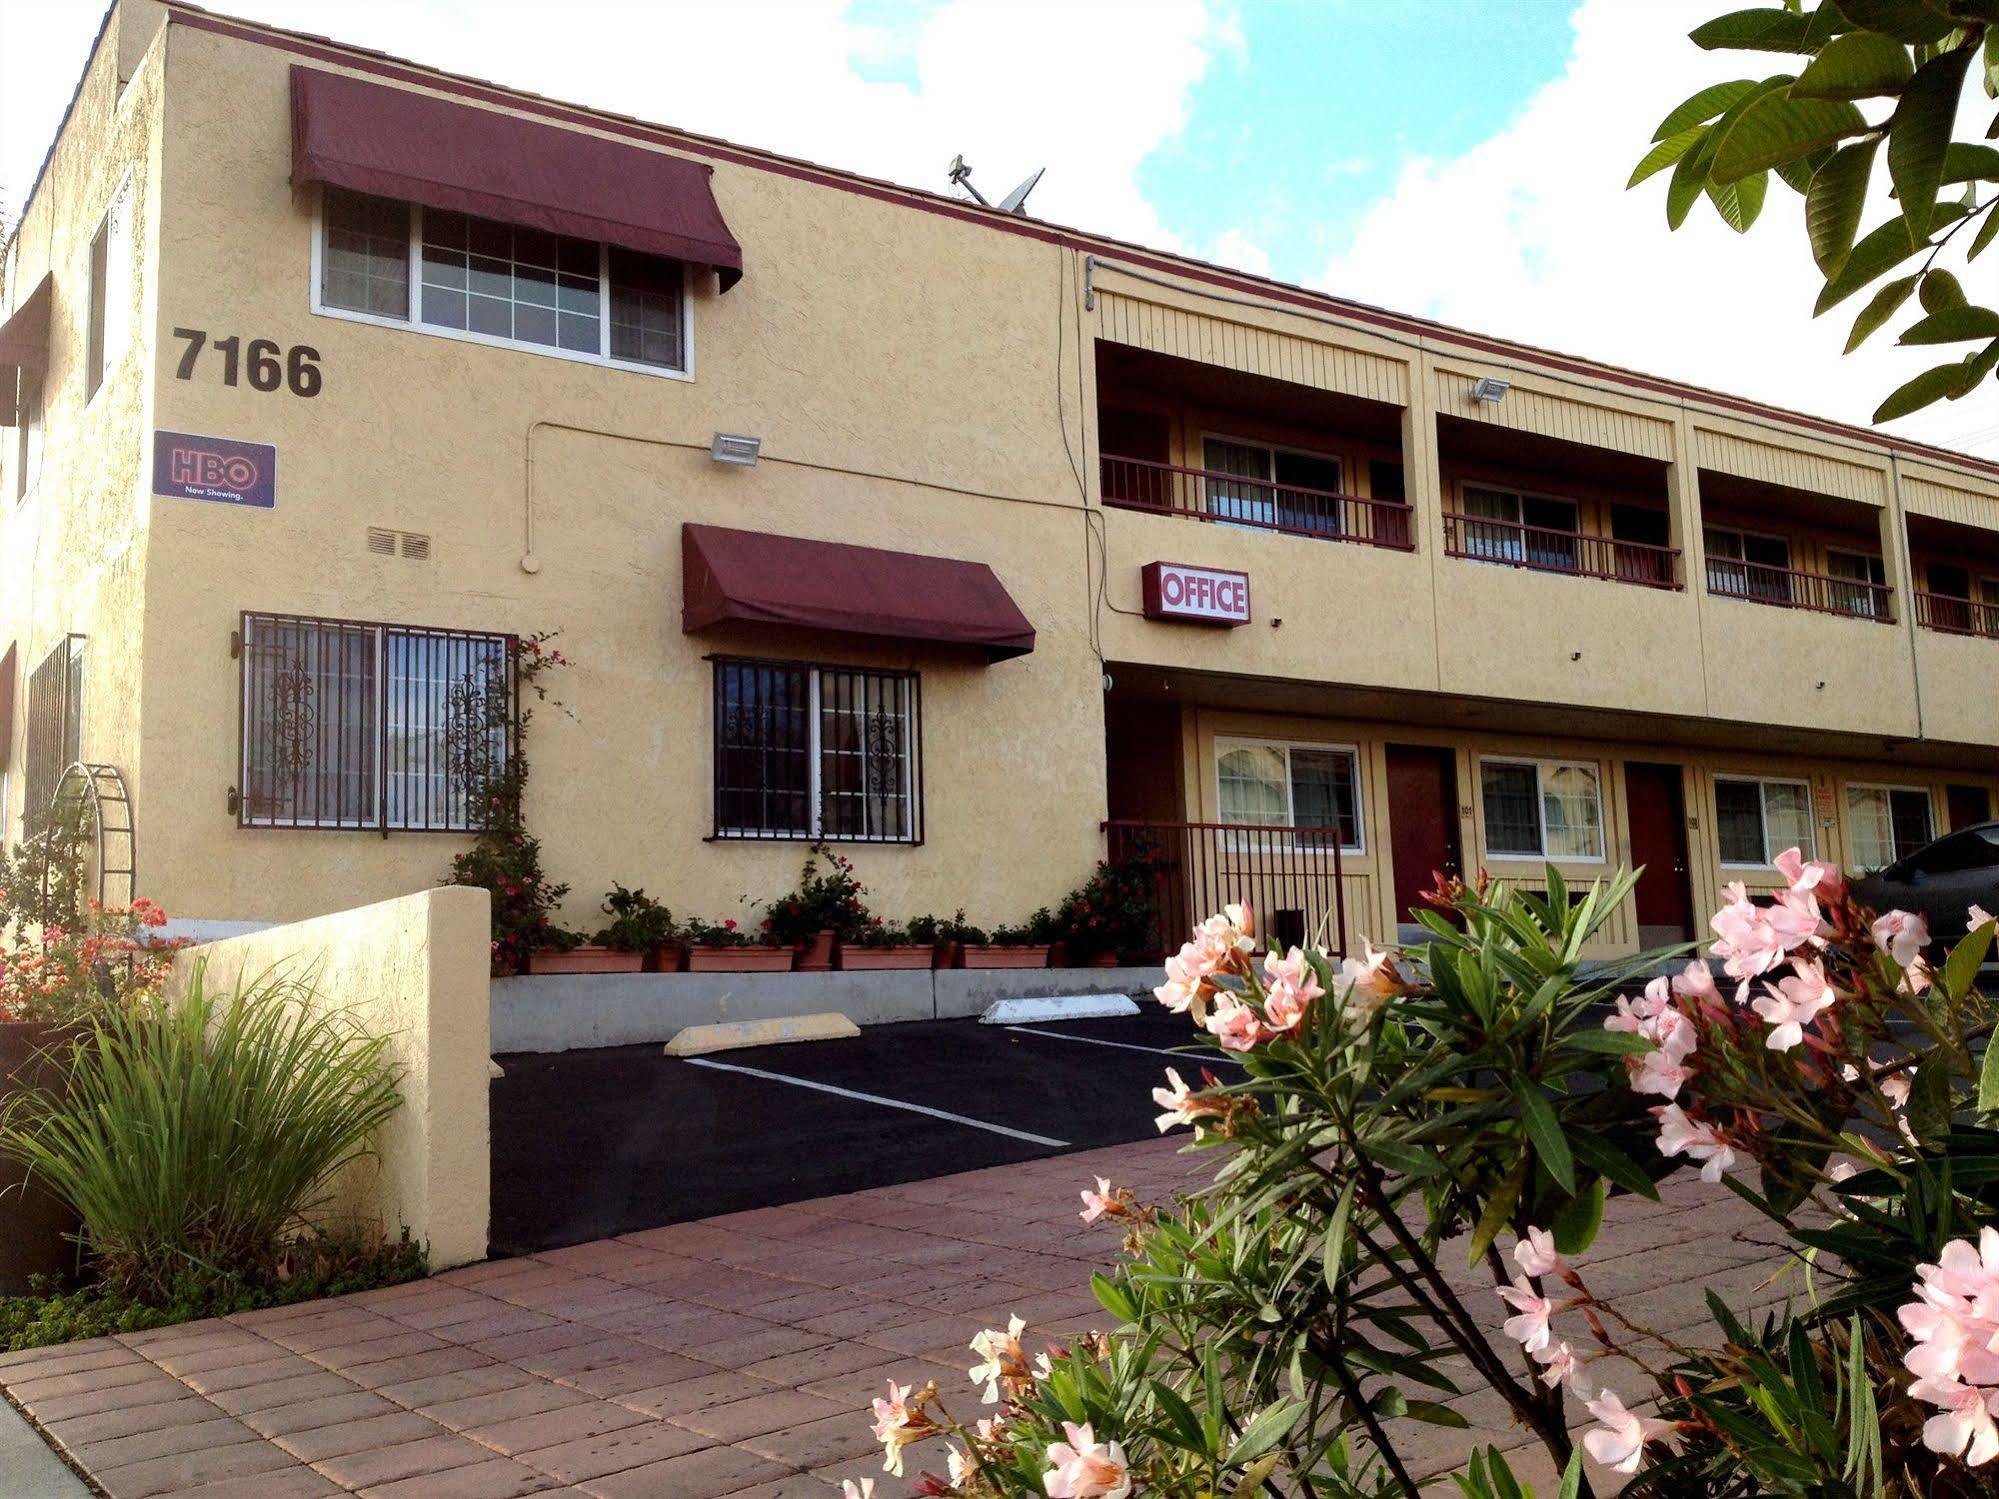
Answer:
(727, 1357)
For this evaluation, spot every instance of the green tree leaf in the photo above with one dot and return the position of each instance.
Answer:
(1775, 129)
(1578, 1220)
(1931, 385)
(1940, 289)
(1960, 969)
(1663, 155)
(1988, 1079)
(1952, 325)
(1879, 249)
(1880, 308)
(1545, 1130)
(1905, 20)
(1859, 65)
(1739, 203)
(1968, 161)
(1698, 109)
(1763, 29)
(1834, 200)
(1919, 135)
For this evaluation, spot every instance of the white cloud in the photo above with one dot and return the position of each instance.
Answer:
(1531, 235)
(1235, 248)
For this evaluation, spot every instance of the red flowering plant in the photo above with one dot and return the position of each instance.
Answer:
(828, 901)
(1117, 909)
(109, 958)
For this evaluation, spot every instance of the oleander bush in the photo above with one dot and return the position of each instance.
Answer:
(1289, 1326)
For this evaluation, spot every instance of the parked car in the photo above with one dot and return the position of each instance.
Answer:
(1941, 881)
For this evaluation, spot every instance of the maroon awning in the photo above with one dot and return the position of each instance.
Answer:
(399, 144)
(24, 345)
(748, 577)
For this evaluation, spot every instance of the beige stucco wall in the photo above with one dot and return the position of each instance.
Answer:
(413, 970)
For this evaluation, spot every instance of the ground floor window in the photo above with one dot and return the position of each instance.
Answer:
(1888, 823)
(806, 751)
(1542, 809)
(1755, 820)
(1262, 783)
(55, 729)
(352, 725)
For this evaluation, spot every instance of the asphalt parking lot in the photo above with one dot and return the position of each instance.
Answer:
(589, 1144)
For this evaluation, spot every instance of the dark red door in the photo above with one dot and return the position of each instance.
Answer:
(1968, 804)
(1658, 813)
(1422, 819)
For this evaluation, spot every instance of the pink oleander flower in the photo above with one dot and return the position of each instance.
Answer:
(1290, 986)
(1181, 1103)
(857, 1488)
(1917, 976)
(898, 1422)
(1696, 982)
(1619, 1437)
(1815, 877)
(1977, 916)
(1753, 939)
(1680, 1135)
(1099, 1202)
(1084, 1468)
(1371, 981)
(1657, 1072)
(958, 1463)
(1902, 935)
(1235, 1025)
(1529, 1326)
(1537, 1256)
(1560, 1366)
(1964, 1427)
(1794, 1002)
(1001, 1360)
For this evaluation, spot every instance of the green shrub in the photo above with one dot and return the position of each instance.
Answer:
(195, 1138)
(829, 902)
(638, 922)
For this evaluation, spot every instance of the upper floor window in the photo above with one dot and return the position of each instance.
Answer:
(1278, 487)
(349, 725)
(1861, 583)
(1267, 784)
(807, 751)
(55, 729)
(1745, 565)
(1755, 820)
(1542, 809)
(28, 436)
(109, 326)
(1888, 823)
(469, 277)
(1502, 525)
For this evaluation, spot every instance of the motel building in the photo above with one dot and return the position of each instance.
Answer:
(977, 546)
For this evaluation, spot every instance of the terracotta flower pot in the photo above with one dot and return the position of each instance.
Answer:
(669, 957)
(1004, 957)
(740, 959)
(900, 956)
(815, 954)
(944, 955)
(588, 958)
(1105, 959)
(34, 1225)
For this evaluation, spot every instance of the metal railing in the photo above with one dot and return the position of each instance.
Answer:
(1291, 876)
(1957, 616)
(1787, 588)
(1545, 549)
(1231, 500)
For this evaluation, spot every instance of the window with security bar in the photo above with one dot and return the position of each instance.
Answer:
(805, 751)
(55, 729)
(373, 726)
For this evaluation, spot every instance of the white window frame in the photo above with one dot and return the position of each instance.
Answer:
(1927, 793)
(1540, 766)
(1208, 496)
(1868, 597)
(1225, 742)
(414, 322)
(1763, 816)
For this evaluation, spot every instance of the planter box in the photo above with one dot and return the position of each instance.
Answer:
(1002, 957)
(586, 959)
(739, 959)
(34, 1225)
(669, 959)
(887, 957)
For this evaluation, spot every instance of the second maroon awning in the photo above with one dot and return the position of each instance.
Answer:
(397, 143)
(748, 577)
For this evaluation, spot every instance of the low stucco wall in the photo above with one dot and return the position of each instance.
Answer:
(572, 1012)
(413, 969)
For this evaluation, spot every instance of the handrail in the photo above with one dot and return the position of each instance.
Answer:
(1953, 614)
(1233, 500)
(1547, 549)
(1790, 588)
(1294, 877)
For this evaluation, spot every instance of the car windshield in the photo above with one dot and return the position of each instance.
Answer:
(1974, 848)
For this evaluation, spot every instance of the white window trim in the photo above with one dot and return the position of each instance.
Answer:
(1790, 552)
(1763, 817)
(31, 442)
(1274, 448)
(414, 322)
(1595, 768)
(109, 357)
(906, 703)
(1226, 742)
(1927, 793)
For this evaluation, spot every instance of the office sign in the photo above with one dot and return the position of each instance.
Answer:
(1202, 595)
(221, 469)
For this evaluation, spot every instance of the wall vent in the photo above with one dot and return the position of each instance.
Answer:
(381, 543)
(413, 546)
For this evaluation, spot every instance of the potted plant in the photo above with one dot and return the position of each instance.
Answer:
(944, 934)
(724, 947)
(1113, 912)
(1024, 946)
(886, 945)
(642, 925)
(824, 910)
(566, 952)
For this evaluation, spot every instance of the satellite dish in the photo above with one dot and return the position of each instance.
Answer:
(1014, 202)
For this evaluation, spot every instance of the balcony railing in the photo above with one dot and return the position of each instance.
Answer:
(1291, 876)
(1787, 588)
(1231, 500)
(1547, 550)
(1957, 616)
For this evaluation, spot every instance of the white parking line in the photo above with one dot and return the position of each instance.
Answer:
(1158, 1051)
(888, 1103)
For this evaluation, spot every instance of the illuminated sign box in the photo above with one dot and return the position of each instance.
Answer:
(1201, 595)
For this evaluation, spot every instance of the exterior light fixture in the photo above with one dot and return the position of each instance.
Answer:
(1488, 391)
(735, 447)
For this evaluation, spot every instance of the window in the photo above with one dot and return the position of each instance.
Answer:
(1743, 565)
(807, 751)
(93, 342)
(1888, 823)
(1852, 593)
(1542, 809)
(55, 729)
(1502, 525)
(1260, 784)
(28, 436)
(475, 278)
(349, 725)
(1757, 820)
(1275, 479)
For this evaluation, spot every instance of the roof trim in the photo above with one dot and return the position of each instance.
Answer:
(385, 65)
